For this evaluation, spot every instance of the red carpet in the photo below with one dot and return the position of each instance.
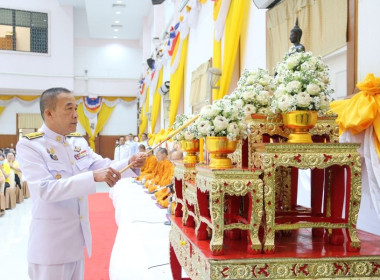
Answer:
(103, 228)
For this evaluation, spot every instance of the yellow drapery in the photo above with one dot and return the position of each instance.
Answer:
(217, 50)
(156, 102)
(83, 120)
(103, 116)
(176, 80)
(362, 110)
(234, 23)
(144, 110)
(22, 97)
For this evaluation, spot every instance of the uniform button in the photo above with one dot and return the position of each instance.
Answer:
(72, 162)
(81, 217)
(58, 138)
(66, 144)
(80, 198)
(58, 176)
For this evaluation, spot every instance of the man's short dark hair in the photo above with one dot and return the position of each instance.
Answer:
(142, 146)
(48, 99)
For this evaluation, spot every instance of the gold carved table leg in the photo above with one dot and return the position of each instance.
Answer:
(217, 220)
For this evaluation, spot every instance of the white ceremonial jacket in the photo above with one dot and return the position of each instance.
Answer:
(58, 170)
(121, 152)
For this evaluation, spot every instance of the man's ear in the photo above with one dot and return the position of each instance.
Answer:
(47, 114)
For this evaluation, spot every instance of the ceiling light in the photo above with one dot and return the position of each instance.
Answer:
(115, 37)
(118, 5)
(116, 30)
(119, 1)
(118, 12)
(117, 21)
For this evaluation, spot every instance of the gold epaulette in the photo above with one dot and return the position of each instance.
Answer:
(34, 135)
(74, 134)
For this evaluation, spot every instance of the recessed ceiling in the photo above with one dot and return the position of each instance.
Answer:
(128, 15)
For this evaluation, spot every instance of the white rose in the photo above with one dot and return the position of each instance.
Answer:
(249, 109)
(303, 99)
(233, 128)
(325, 102)
(284, 103)
(204, 127)
(263, 97)
(239, 103)
(249, 95)
(220, 123)
(250, 80)
(294, 86)
(313, 89)
(263, 111)
(188, 135)
(292, 62)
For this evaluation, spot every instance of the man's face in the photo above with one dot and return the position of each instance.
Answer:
(130, 137)
(143, 137)
(121, 141)
(63, 120)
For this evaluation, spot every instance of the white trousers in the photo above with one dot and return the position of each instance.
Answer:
(67, 271)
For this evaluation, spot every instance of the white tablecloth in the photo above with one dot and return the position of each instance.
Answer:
(138, 244)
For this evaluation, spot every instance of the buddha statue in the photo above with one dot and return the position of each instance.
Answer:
(295, 38)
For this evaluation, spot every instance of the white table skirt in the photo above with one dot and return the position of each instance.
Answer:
(138, 245)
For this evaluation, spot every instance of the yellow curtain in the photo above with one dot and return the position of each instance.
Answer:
(323, 24)
(103, 116)
(156, 102)
(236, 14)
(176, 80)
(113, 98)
(362, 110)
(2, 109)
(144, 110)
(217, 50)
(22, 97)
(83, 120)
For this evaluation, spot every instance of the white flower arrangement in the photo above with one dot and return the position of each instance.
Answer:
(223, 118)
(188, 133)
(302, 84)
(254, 91)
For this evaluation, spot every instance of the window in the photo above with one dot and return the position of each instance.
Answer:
(23, 31)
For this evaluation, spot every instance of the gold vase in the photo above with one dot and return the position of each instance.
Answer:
(219, 148)
(191, 147)
(300, 122)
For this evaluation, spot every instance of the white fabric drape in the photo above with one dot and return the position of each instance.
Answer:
(221, 19)
(370, 203)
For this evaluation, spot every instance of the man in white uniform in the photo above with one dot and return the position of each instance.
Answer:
(61, 171)
(132, 146)
(121, 150)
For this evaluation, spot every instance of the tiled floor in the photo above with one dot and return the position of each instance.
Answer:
(14, 230)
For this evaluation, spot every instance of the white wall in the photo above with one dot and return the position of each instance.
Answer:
(368, 39)
(8, 117)
(253, 40)
(122, 121)
(200, 47)
(41, 71)
(113, 66)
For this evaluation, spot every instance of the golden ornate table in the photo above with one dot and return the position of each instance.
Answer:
(299, 257)
(213, 186)
(339, 159)
(185, 205)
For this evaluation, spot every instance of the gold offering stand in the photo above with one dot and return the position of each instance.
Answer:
(243, 222)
